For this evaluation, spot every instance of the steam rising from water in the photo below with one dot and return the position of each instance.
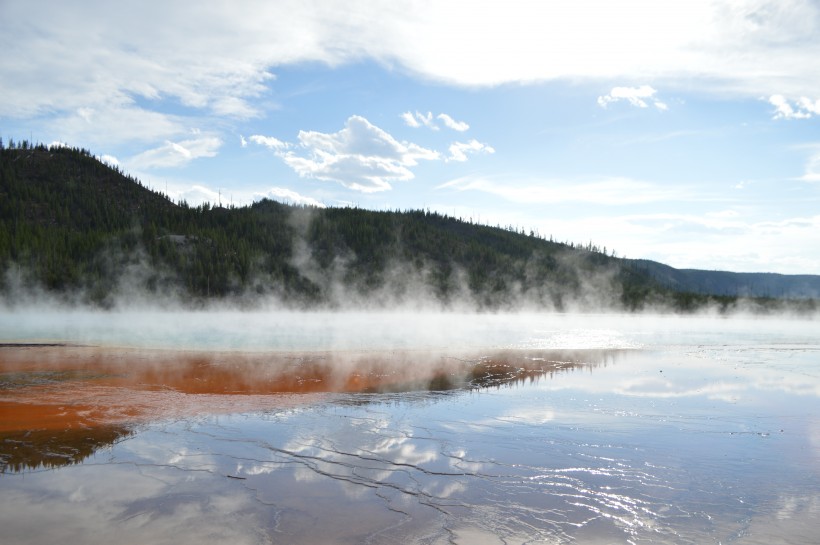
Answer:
(284, 330)
(242, 330)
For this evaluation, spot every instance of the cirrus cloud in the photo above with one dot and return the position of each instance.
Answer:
(176, 154)
(611, 191)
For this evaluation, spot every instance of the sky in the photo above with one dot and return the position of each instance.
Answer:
(683, 132)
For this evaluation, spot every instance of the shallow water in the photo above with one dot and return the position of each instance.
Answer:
(410, 429)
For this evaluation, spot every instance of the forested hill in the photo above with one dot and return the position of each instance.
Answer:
(78, 229)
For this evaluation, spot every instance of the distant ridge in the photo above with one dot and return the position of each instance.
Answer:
(780, 286)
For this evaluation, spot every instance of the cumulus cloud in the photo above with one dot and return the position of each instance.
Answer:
(361, 156)
(268, 141)
(459, 150)
(451, 123)
(110, 160)
(198, 194)
(809, 105)
(410, 120)
(176, 154)
(283, 194)
(419, 119)
(636, 96)
(802, 108)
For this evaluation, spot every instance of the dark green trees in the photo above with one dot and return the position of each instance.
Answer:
(80, 229)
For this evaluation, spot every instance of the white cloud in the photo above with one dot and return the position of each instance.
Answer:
(636, 96)
(361, 156)
(736, 243)
(76, 68)
(742, 46)
(812, 171)
(198, 194)
(268, 141)
(175, 154)
(110, 160)
(283, 194)
(459, 150)
(803, 107)
(451, 123)
(809, 105)
(741, 243)
(612, 191)
(419, 119)
(410, 120)
(108, 124)
(750, 45)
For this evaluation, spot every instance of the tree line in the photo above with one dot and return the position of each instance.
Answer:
(70, 224)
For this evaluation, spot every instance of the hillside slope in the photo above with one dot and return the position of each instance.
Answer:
(75, 228)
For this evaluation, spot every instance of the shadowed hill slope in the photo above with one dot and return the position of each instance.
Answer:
(796, 286)
(79, 229)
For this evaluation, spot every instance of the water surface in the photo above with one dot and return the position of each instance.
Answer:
(388, 428)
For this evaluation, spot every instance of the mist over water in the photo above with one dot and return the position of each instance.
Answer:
(380, 329)
(242, 330)
(398, 427)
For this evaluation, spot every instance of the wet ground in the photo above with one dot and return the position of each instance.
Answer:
(598, 431)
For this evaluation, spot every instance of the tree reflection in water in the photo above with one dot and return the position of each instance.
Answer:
(60, 404)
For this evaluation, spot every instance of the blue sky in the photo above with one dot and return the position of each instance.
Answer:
(685, 132)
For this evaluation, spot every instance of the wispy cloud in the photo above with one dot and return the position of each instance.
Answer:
(361, 156)
(108, 124)
(459, 150)
(636, 96)
(812, 169)
(176, 154)
(419, 119)
(720, 240)
(269, 142)
(451, 123)
(611, 191)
